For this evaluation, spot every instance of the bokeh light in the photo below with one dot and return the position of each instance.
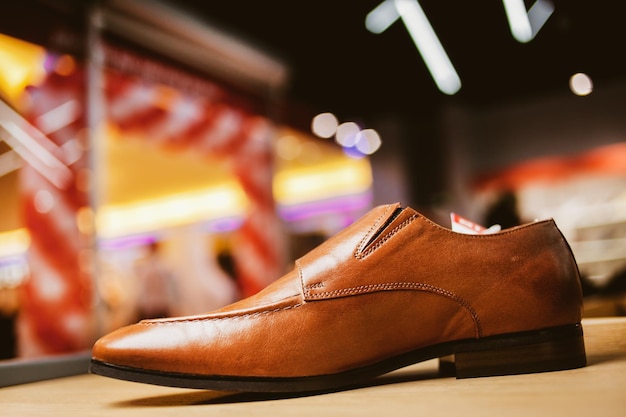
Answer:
(369, 141)
(288, 147)
(44, 201)
(581, 84)
(324, 125)
(347, 134)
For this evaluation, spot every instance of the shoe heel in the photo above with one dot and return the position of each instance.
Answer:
(541, 352)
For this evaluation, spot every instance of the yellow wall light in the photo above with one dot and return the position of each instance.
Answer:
(14, 242)
(22, 65)
(221, 201)
(322, 181)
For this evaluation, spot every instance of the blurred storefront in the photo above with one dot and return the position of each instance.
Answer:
(144, 173)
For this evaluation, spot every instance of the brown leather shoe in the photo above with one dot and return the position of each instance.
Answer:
(391, 290)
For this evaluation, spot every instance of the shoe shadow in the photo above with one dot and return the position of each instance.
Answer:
(202, 397)
(207, 397)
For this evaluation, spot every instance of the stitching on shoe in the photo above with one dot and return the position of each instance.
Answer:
(299, 269)
(240, 316)
(404, 286)
(307, 288)
(378, 244)
(374, 227)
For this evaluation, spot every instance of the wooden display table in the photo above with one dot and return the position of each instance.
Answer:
(597, 390)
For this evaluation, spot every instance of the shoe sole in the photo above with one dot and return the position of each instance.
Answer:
(551, 349)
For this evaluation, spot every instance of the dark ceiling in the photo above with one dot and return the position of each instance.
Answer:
(337, 65)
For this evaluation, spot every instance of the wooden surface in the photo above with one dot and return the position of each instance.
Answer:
(597, 390)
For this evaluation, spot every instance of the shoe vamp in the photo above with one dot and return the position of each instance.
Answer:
(314, 338)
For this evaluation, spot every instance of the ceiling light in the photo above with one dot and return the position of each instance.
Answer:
(525, 25)
(539, 14)
(428, 45)
(383, 16)
(519, 23)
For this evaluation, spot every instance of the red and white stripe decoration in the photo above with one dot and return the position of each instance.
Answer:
(210, 124)
(56, 314)
(56, 301)
(258, 250)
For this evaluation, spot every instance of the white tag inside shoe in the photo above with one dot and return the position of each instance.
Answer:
(468, 227)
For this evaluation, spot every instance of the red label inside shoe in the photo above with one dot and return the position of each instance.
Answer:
(462, 225)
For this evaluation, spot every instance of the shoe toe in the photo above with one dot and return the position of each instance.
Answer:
(136, 346)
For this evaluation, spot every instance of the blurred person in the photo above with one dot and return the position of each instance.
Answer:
(504, 211)
(201, 283)
(156, 285)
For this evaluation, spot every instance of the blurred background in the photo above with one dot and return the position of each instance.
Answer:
(170, 157)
